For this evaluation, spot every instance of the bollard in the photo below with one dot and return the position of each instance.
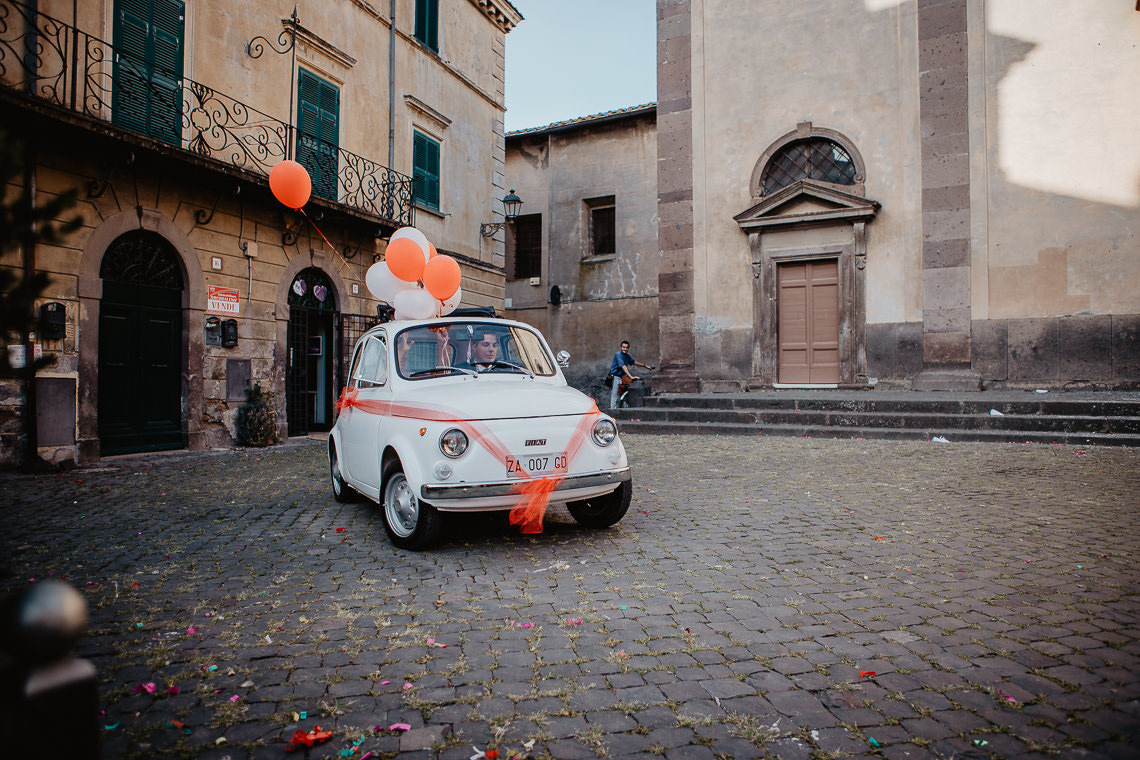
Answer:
(47, 692)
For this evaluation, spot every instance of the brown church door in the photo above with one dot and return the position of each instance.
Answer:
(808, 321)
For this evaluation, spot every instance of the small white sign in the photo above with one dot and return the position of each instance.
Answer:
(17, 356)
(221, 300)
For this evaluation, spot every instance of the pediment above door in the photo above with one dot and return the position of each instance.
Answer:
(806, 203)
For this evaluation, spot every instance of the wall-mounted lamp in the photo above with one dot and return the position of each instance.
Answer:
(511, 204)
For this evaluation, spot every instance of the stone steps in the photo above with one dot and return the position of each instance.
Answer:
(1087, 420)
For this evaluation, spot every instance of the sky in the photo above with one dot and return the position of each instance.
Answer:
(569, 59)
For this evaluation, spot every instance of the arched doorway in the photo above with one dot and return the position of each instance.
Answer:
(310, 381)
(807, 238)
(140, 346)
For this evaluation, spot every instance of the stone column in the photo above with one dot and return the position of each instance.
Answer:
(944, 111)
(675, 198)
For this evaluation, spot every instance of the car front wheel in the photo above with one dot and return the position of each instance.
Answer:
(411, 523)
(605, 510)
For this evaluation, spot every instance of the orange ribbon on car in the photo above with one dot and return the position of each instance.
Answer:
(530, 510)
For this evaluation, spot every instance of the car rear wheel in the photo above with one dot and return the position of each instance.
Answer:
(605, 510)
(342, 491)
(411, 523)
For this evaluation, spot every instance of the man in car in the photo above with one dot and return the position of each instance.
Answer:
(484, 351)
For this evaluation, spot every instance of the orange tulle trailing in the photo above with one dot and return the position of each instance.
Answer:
(530, 510)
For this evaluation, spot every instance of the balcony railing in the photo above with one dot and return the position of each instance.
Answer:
(60, 64)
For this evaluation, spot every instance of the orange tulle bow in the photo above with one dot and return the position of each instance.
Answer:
(347, 399)
(530, 510)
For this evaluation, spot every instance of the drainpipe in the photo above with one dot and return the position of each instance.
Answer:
(31, 434)
(391, 82)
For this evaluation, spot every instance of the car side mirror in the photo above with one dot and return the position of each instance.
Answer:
(563, 359)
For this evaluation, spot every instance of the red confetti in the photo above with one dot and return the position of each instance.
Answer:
(867, 674)
(340, 530)
(316, 736)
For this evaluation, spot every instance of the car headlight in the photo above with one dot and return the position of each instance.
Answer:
(453, 443)
(605, 431)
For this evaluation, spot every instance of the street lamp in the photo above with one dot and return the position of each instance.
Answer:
(511, 204)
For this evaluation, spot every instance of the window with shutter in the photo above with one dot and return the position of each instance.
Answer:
(427, 23)
(318, 131)
(528, 246)
(147, 78)
(425, 170)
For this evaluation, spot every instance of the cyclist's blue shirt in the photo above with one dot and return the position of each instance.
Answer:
(621, 360)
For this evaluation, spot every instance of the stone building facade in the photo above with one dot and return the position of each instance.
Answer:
(582, 257)
(187, 281)
(910, 193)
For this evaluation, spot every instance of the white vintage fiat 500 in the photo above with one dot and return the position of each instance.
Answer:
(471, 414)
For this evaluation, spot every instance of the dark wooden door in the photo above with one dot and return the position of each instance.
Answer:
(808, 321)
(140, 379)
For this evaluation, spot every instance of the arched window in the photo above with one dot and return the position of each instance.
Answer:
(816, 158)
(311, 289)
(143, 258)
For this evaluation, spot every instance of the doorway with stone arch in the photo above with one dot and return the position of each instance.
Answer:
(140, 355)
(806, 233)
(310, 375)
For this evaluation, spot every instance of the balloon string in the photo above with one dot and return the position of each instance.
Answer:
(318, 229)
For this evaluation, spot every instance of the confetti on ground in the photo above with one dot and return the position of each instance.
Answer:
(308, 739)
(867, 674)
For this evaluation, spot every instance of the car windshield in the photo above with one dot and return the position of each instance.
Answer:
(470, 347)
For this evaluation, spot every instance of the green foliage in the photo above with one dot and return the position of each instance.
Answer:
(255, 419)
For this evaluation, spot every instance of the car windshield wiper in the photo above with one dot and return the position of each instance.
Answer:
(511, 365)
(442, 368)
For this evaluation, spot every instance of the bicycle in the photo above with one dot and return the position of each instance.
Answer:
(623, 389)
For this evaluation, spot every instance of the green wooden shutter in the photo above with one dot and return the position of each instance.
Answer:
(427, 23)
(318, 128)
(147, 76)
(425, 172)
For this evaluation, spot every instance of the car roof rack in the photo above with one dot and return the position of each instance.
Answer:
(475, 311)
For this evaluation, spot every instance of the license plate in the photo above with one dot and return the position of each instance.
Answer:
(534, 465)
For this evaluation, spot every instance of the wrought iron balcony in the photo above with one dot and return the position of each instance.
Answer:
(55, 62)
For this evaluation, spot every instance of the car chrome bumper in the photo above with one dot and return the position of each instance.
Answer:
(431, 493)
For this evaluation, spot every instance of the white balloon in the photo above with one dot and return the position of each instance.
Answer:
(415, 236)
(415, 303)
(383, 284)
(450, 304)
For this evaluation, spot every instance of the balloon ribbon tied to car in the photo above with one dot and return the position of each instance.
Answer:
(530, 510)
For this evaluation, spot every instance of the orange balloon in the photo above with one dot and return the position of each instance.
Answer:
(441, 277)
(405, 259)
(290, 184)
(432, 252)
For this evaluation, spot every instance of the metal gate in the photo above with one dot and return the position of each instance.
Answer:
(349, 328)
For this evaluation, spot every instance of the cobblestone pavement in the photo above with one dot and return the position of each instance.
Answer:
(766, 597)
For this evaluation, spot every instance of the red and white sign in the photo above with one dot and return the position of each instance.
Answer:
(221, 300)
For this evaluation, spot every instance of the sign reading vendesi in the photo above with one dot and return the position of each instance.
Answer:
(221, 300)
